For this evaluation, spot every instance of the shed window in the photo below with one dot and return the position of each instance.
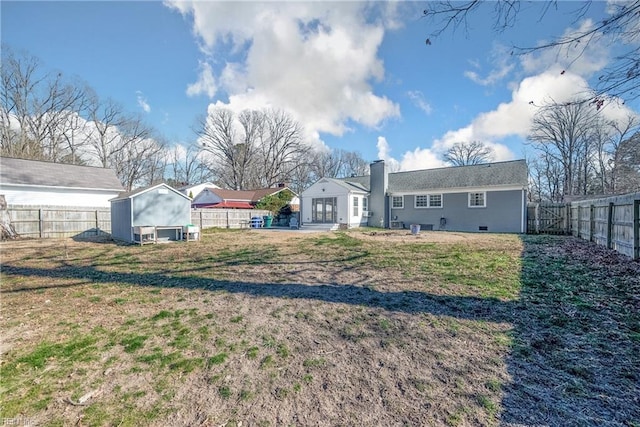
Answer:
(397, 202)
(355, 206)
(422, 201)
(365, 203)
(477, 200)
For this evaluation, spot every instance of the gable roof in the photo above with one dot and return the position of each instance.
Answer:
(477, 176)
(48, 174)
(252, 196)
(352, 184)
(498, 174)
(134, 193)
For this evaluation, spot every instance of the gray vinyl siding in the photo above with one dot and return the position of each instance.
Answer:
(121, 219)
(502, 214)
(157, 206)
(153, 208)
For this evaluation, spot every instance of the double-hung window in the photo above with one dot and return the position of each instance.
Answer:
(428, 201)
(397, 202)
(477, 200)
(356, 211)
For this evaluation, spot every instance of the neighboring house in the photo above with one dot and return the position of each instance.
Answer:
(233, 199)
(487, 197)
(33, 182)
(156, 206)
(193, 190)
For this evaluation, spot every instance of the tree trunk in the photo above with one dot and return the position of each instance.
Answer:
(8, 232)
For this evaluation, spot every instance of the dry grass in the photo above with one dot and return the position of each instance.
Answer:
(356, 328)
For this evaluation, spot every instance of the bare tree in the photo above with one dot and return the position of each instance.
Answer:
(281, 147)
(627, 178)
(563, 133)
(253, 149)
(107, 118)
(139, 155)
(621, 79)
(468, 153)
(38, 110)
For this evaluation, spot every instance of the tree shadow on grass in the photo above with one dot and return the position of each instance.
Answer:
(575, 354)
(574, 361)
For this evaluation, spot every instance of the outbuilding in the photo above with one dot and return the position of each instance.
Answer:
(152, 214)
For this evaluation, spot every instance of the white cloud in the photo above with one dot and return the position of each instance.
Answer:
(142, 102)
(419, 158)
(417, 97)
(584, 58)
(501, 59)
(206, 83)
(316, 60)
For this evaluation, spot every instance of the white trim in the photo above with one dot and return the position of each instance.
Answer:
(8, 184)
(395, 207)
(523, 206)
(484, 199)
(457, 190)
(428, 196)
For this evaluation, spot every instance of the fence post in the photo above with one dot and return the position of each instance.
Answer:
(97, 224)
(40, 223)
(636, 229)
(610, 226)
(592, 221)
(537, 218)
(201, 227)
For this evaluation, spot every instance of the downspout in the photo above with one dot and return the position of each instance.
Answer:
(523, 206)
(387, 200)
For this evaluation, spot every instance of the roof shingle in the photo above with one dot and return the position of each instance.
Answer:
(35, 172)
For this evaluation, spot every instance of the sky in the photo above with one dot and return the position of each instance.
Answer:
(358, 76)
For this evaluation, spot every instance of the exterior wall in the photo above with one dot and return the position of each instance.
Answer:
(378, 202)
(29, 195)
(160, 206)
(356, 220)
(503, 213)
(121, 220)
(331, 189)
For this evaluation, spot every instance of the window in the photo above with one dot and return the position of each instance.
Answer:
(429, 201)
(422, 201)
(397, 202)
(477, 200)
(365, 204)
(355, 206)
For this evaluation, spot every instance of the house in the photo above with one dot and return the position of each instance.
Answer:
(193, 190)
(487, 197)
(160, 207)
(38, 183)
(233, 199)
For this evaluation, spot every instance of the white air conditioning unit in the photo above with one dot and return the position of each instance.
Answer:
(367, 214)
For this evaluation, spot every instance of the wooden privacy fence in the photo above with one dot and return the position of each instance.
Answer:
(224, 218)
(59, 221)
(548, 218)
(65, 221)
(613, 222)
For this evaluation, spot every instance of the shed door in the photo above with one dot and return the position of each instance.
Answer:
(324, 210)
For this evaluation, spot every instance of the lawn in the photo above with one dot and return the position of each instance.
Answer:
(364, 327)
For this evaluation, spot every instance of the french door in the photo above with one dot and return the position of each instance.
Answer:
(325, 210)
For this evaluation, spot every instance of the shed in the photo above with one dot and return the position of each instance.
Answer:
(161, 207)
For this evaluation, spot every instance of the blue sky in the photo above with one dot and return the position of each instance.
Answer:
(357, 75)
